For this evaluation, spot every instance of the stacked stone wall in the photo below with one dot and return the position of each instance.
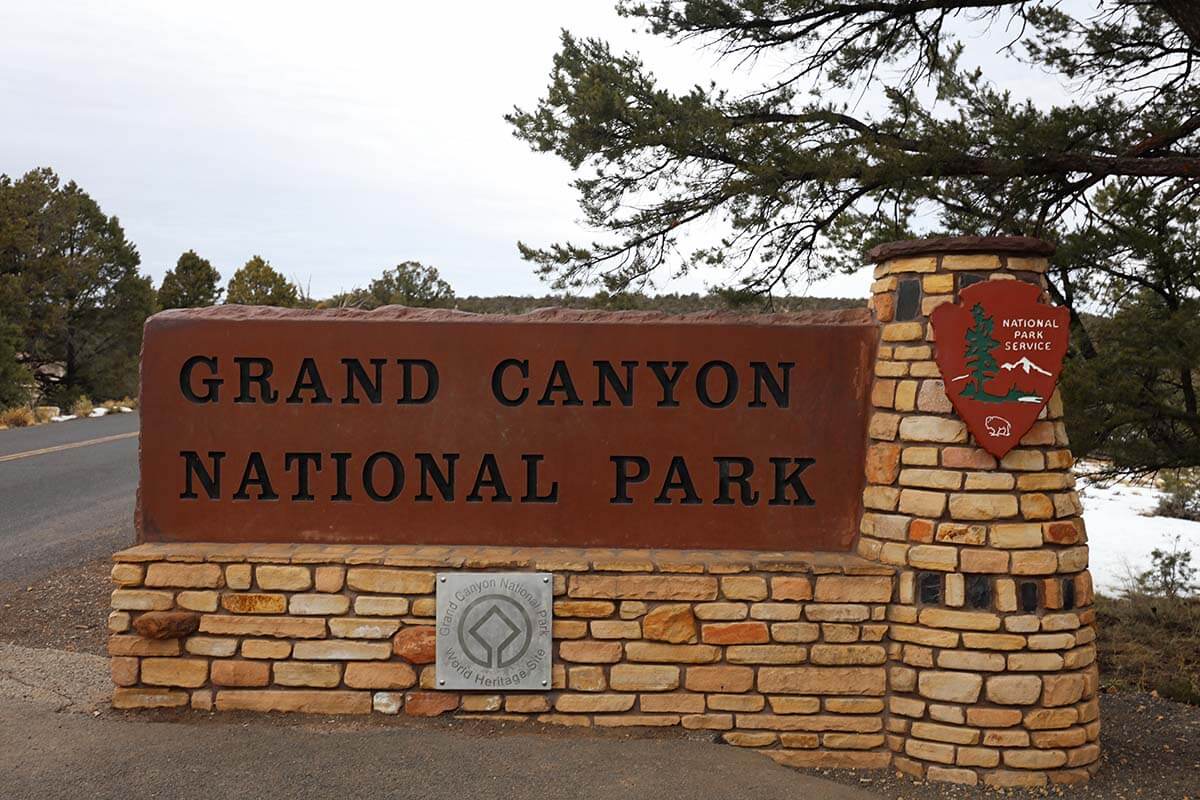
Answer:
(782, 652)
(992, 674)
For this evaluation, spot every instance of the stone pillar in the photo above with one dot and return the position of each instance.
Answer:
(992, 673)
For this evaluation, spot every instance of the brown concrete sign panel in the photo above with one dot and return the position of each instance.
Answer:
(555, 428)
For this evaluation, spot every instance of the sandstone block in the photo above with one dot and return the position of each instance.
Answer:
(883, 462)
(184, 576)
(301, 673)
(669, 653)
(921, 503)
(793, 632)
(274, 577)
(526, 704)
(723, 679)
(254, 603)
(266, 648)
(776, 611)
(141, 600)
(932, 429)
(429, 704)
(587, 679)
(198, 600)
(226, 672)
(707, 722)
(836, 612)
(368, 605)
(1014, 690)
(594, 703)
(140, 697)
(616, 629)
(212, 646)
(791, 587)
(674, 623)
(735, 633)
(123, 645)
(735, 702)
(318, 604)
(588, 609)
(853, 589)
(238, 576)
(934, 557)
(569, 629)
(744, 587)
(822, 680)
(1035, 662)
(329, 579)
(672, 703)
(282, 627)
(962, 620)
(589, 652)
(126, 575)
(1062, 690)
(853, 654)
(166, 624)
(930, 751)
(643, 587)
(376, 675)
(416, 644)
(765, 654)
(189, 673)
(1034, 759)
(643, 678)
(952, 687)
(294, 700)
(984, 561)
(341, 650)
(389, 581)
(944, 733)
(973, 660)
(982, 506)
(124, 670)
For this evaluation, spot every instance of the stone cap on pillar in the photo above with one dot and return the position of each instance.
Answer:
(1008, 245)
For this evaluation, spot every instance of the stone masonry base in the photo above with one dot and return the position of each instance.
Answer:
(807, 657)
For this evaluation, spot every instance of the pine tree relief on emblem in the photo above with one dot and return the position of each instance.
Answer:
(982, 366)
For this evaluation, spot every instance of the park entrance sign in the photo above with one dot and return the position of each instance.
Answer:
(846, 539)
(401, 426)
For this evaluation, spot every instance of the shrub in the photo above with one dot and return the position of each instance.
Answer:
(82, 406)
(1181, 495)
(19, 417)
(1171, 574)
(42, 414)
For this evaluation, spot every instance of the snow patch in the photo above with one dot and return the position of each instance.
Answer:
(1120, 536)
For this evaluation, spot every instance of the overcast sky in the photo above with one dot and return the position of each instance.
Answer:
(334, 139)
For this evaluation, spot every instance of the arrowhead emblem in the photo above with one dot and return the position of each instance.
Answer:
(1000, 352)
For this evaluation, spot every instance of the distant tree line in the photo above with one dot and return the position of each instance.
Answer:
(73, 299)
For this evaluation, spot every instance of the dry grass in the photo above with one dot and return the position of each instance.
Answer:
(115, 406)
(19, 417)
(1151, 644)
(82, 407)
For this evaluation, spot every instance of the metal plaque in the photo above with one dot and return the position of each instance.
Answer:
(493, 630)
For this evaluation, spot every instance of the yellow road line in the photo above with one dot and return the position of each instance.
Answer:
(71, 446)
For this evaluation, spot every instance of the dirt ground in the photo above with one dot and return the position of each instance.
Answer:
(1151, 746)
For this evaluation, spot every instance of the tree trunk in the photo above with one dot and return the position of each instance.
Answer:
(1185, 14)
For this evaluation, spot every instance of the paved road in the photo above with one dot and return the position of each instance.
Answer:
(65, 507)
(61, 755)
